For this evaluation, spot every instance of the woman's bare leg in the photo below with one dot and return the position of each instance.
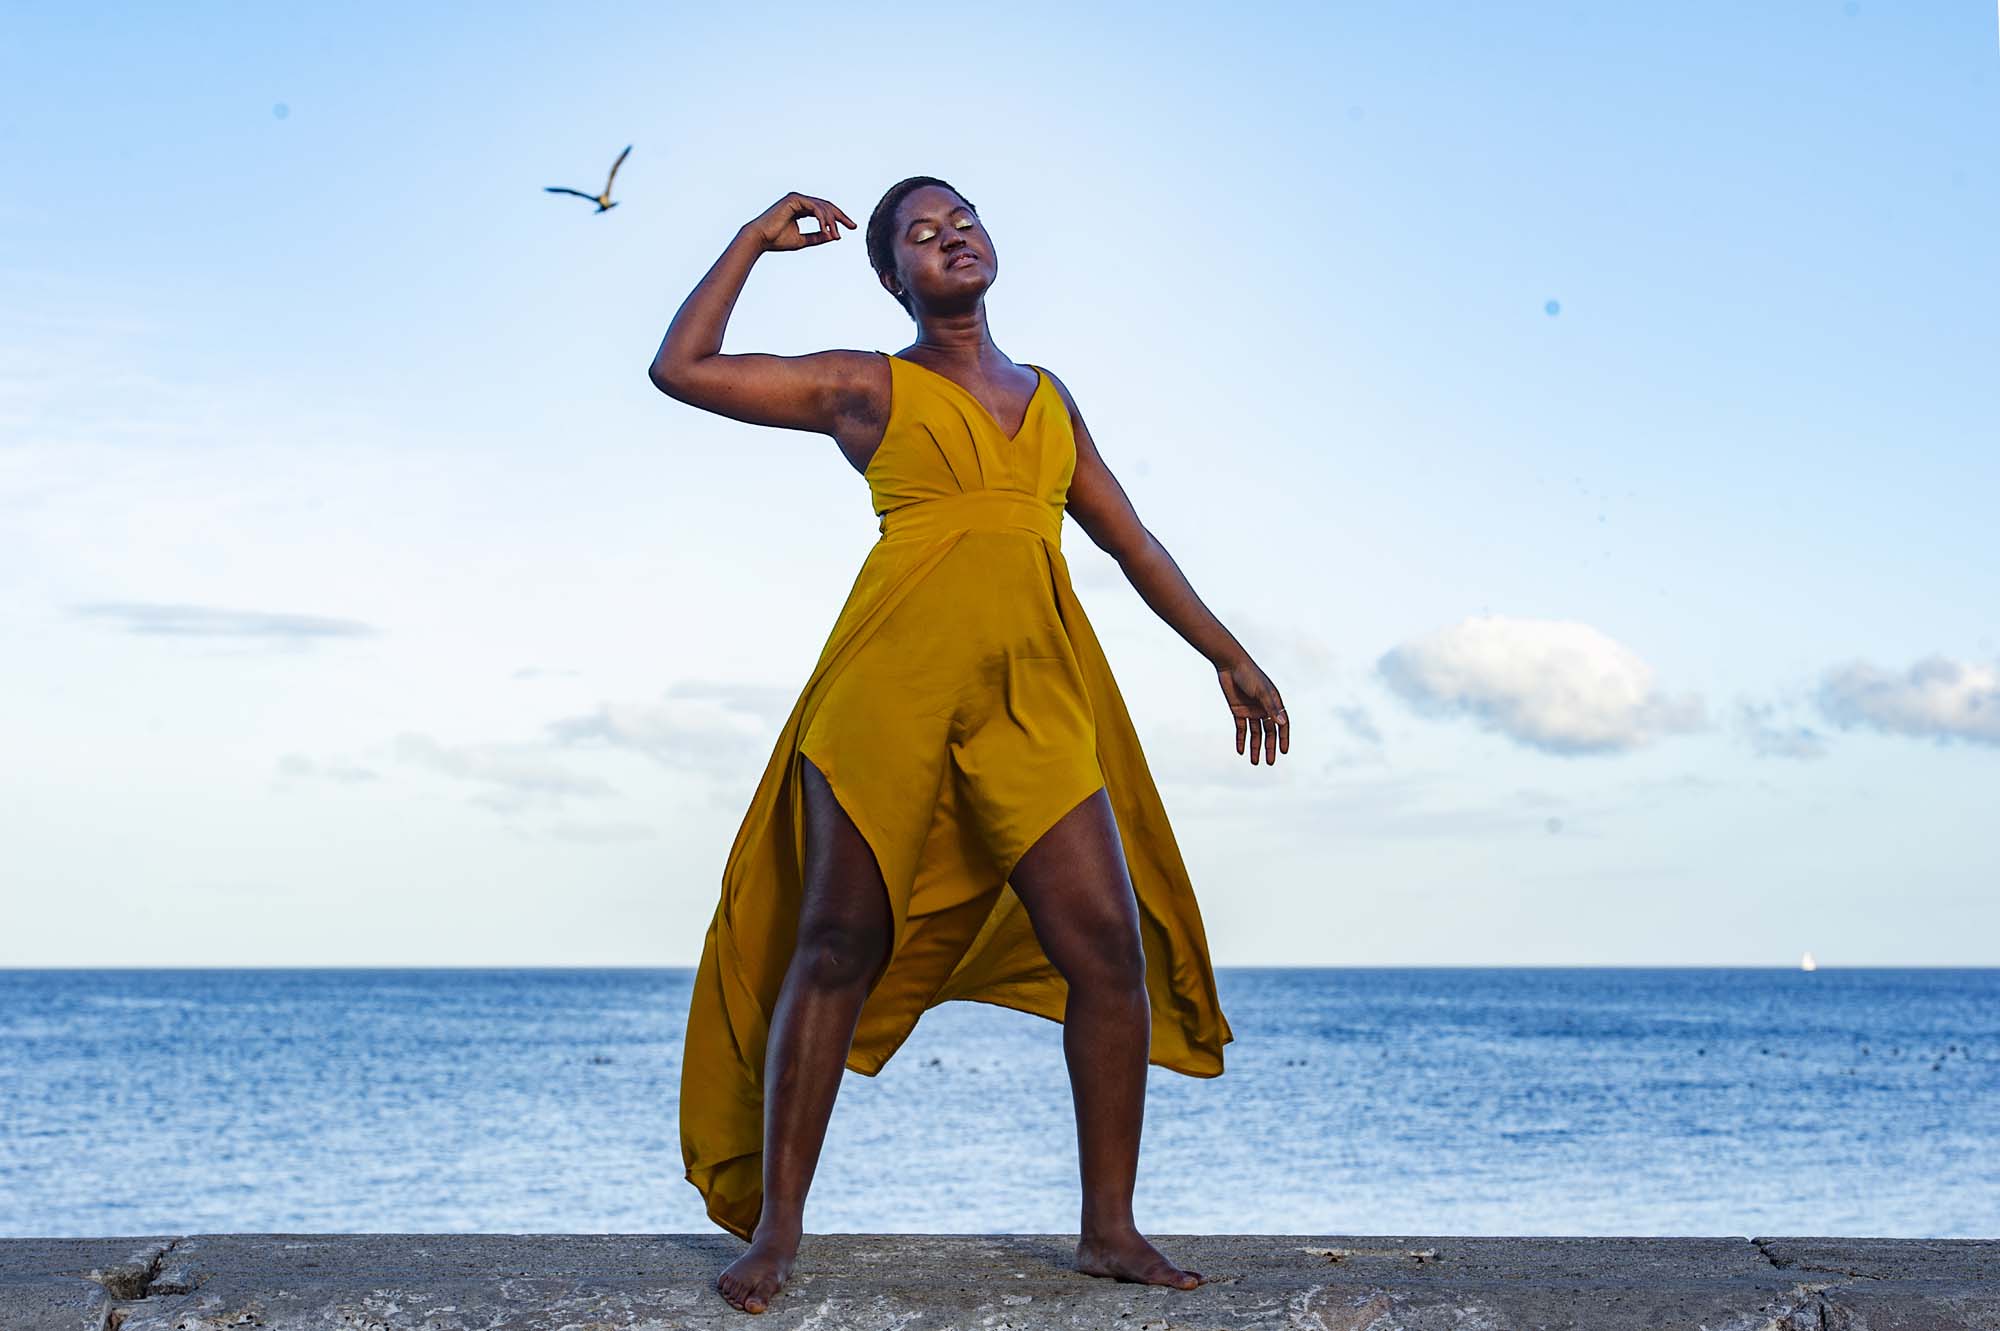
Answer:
(844, 927)
(1079, 896)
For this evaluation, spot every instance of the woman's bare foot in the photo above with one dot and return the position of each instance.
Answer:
(751, 1280)
(1126, 1255)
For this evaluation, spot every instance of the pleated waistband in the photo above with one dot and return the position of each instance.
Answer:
(974, 510)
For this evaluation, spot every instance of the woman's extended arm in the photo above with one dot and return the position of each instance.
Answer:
(793, 392)
(1100, 506)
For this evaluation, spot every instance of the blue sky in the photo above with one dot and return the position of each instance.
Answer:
(1585, 414)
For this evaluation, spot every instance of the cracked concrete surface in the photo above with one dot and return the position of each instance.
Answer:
(1005, 1282)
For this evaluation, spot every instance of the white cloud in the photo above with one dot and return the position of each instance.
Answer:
(1938, 698)
(1556, 685)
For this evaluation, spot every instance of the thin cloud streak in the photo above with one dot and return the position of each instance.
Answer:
(1766, 740)
(298, 766)
(520, 773)
(718, 728)
(167, 619)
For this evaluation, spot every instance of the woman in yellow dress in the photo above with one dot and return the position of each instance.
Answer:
(958, 806)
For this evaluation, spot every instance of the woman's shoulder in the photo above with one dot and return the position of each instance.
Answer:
(1060, 387)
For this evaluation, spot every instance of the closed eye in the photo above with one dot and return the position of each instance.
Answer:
(962, 223)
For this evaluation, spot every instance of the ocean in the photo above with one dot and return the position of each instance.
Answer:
(1469, 1101)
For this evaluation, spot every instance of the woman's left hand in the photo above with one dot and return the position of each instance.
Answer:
(1260, 712)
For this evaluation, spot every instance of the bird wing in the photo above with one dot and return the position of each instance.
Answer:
(558, 189)
(614, 168)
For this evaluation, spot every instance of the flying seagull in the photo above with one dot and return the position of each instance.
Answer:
(603, 201)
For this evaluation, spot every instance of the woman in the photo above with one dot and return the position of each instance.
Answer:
(958, 807)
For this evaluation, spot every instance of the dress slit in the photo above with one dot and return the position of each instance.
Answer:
(1048, 825)
(867, 839)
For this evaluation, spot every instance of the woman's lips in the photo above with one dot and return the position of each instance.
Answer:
(956, 259)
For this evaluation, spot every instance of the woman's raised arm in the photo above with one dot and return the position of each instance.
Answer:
(808, 392)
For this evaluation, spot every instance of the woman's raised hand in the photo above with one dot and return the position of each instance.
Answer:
(1260, 712)
(778, 226)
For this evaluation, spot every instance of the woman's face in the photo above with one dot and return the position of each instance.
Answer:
(944, 257)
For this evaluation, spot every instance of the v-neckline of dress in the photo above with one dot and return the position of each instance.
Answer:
(1026, 416)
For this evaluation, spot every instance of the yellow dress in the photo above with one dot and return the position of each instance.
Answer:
(960, 707)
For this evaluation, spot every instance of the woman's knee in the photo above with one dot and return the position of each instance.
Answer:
(840, 954)
(1108, 960)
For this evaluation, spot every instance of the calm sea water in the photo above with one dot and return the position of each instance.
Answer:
(1360, 1101)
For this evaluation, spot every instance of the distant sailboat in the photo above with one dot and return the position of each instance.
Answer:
(1806, 963)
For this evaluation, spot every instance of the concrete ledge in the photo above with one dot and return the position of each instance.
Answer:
(1009, 1282)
